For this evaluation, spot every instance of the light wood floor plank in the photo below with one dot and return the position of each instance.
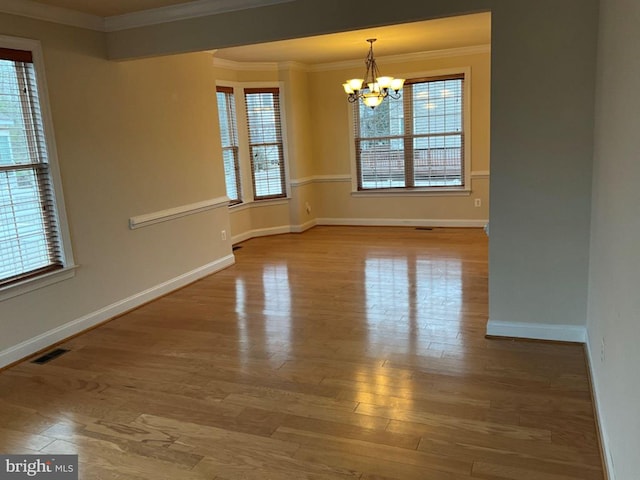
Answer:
(340, 353)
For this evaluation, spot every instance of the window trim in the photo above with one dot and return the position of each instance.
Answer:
(422, 191)
(68, 263)
(35, 283)
(246, 181)
(281, 145)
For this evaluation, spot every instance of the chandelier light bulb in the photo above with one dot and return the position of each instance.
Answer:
(384, 82)
(397, 84)
(347, 88)
(372, 99)
(355, 84)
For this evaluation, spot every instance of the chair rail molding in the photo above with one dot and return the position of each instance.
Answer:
(147, 219)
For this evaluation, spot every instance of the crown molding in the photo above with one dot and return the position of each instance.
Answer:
(406, 57)
(183, 11)
(245, 66)
(48, 13)
(292, 65)
(322, 67)
(65, 16)
(258, 66)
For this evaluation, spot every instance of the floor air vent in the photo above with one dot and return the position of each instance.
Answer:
(424, 228)
(47, 357)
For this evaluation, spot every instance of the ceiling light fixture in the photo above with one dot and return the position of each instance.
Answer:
(376, 88)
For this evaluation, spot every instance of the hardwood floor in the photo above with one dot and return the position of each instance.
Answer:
(343, 352)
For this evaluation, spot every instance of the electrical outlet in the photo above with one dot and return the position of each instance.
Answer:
(477, 202)
(602, 351)
(223, 235)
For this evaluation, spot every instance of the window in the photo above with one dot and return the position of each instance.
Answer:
(415, 141)
(229, 137)
(253, 151)
(30, 239)
(265, 142)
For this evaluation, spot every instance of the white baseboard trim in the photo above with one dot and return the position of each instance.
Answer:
(260, 232)
(398, 222)
(604, 438)
(303, 227)
(537, 331)
(265, 232)
(365, 222)
(46, 339)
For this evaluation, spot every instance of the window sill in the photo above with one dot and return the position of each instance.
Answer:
(238, 207)
(414, 192)
(36, 283)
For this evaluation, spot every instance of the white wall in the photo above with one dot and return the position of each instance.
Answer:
(614, 281)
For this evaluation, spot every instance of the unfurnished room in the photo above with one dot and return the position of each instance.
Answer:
(290, 239)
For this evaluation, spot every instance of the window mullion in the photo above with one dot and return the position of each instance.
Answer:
(244, 149)
(357, 144)
(236, 167)
(358, 162)
(407, 105)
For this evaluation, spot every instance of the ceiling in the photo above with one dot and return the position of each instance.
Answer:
(440, 34)
(108, 8)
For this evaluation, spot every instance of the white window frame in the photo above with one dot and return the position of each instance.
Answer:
(464, 190)
(246, 182)
(69, 266)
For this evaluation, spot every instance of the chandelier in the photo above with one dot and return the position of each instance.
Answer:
(377, 87)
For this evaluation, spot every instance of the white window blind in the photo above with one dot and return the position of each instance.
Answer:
(265, 142)
(414, 141)
(229, 137)
(30, 241)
